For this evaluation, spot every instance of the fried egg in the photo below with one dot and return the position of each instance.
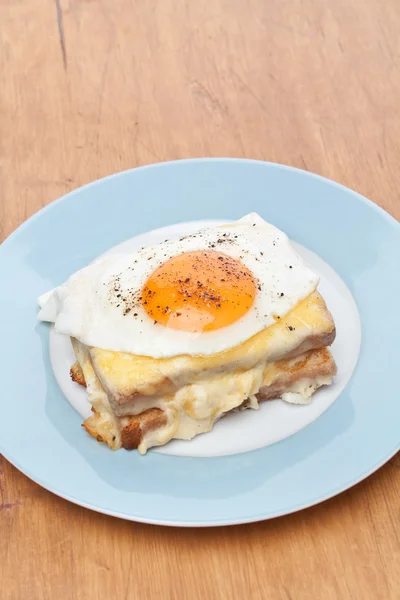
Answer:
(198, 295)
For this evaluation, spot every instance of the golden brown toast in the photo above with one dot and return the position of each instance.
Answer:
(130, 380)
(312, 369)
(140, 401)
(134, 431)
(77, 374)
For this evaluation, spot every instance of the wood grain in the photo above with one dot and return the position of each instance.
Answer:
(96, 86)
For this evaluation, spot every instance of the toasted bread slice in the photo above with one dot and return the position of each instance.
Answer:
(302, 375)
(141, 402)
(129, 380)
(298, 377)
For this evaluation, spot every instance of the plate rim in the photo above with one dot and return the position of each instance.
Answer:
(376, 207)
(209, 522)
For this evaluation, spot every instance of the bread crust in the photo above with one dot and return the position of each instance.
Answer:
(77, 375)
(150, 420)
(316, 364)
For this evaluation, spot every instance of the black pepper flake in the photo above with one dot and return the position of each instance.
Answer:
(155, 322)
(259, 287)
(178, 314)
(281, 294)
(290, 267)
(187, 279)
(291, 328)
(135, 314)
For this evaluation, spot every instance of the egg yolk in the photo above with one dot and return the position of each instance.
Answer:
(199, 291)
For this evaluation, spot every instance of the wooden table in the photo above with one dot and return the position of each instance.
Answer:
(97, 86)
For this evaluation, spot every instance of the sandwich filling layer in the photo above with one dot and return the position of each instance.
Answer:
(143, 402)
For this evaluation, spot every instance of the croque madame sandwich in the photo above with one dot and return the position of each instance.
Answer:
(172, 337)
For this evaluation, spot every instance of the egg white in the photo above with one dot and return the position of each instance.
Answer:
(82, 308)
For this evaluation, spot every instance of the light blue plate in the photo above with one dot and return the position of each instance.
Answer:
(40, 432)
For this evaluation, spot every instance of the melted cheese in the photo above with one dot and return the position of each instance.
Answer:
(103, 422)
(301, 391)
(195, 407)
(124, 375)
